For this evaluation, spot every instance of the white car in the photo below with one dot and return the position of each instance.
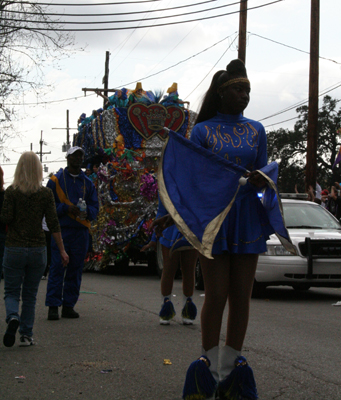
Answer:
(316, 234)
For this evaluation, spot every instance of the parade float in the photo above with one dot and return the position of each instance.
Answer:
(126, 143)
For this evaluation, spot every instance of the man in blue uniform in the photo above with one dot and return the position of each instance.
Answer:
(69, 185)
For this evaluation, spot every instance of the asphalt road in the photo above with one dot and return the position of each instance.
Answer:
(116, 349)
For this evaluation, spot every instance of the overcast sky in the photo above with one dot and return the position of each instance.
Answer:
(277, 61)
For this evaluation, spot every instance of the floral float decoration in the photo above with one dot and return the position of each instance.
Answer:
(127, 145)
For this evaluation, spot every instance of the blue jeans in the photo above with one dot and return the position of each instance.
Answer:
(2, 249)
(23, 269)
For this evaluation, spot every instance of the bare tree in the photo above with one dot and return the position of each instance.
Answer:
(24, 53)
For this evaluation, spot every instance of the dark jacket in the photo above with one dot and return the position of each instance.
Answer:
(23, 213)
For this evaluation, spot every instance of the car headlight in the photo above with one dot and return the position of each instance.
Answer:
(277, 250)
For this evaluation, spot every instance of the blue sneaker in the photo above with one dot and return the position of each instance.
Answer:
(189, 312)
(167, 312)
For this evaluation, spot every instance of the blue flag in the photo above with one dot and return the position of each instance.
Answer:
(198, 189)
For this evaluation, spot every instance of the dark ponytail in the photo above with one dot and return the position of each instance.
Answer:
(212, 101)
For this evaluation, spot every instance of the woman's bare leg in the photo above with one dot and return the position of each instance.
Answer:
(188, 259)
(216, 279)
(242, 274)
(170, 266)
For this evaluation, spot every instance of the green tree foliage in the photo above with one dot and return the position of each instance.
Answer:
(289, 148)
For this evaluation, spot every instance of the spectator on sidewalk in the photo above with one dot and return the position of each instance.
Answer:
(25, 204)
(333, 203)
(324, 197)
(68, 186)
(2, 226)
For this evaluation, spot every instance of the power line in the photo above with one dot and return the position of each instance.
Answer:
(281, 122)
(170, 52)
(290, 47)
(121, 45)
(121, 21)
(180, 62)
(213, 66)
(174, 65)
(45, 162)
(51, 101)
(301, 103)
(112, 14)
(127, 84)
(115, 22)
(85, 5)
(140, 27)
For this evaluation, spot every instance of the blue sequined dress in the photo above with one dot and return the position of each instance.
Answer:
(242, 141)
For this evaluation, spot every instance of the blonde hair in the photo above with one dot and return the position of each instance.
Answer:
(1, 180)
(28, 174)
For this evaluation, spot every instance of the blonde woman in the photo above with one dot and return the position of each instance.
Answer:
(2, 226)
(25, 204)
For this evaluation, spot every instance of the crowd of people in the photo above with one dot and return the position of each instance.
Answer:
(329, 199)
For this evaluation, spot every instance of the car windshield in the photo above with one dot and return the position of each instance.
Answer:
(305, 216)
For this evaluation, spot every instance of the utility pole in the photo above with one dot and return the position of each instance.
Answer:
(311, 167)
(41, 148)
(242, 30)
(67, 130)
(67, 145)
(105, 80)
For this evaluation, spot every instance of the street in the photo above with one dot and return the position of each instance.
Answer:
(116, 349)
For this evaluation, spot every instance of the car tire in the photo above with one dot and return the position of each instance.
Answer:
(159, 259)
(301, 286)
(199, 280)
(122, 263)
(258, 290)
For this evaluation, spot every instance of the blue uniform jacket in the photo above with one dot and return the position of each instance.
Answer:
(67, 188)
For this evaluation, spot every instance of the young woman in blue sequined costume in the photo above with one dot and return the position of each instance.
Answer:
(229, 276)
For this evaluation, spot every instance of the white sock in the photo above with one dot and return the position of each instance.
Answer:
(213, 355)
(228, 356)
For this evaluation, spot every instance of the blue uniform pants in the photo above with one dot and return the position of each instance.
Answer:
(64, 283)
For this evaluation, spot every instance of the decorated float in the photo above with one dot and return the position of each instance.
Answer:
(126, 143)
